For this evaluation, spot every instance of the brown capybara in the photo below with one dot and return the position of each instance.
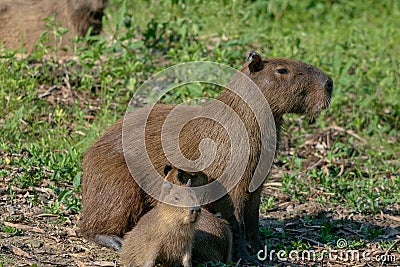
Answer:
(22, 22)
(112, 200)
(213, 235)
(164, 234)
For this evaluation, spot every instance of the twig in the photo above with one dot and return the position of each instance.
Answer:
(48, 92)
(341, 170)
(272, 184)
(390, 217)
(312, 241)
(24, 227)
(350, 132)
(17, 251)
(66, 79)
(271, 209)
(47, 215)
(351, 231)
(54, 263)
(312, 167)
(295, 231)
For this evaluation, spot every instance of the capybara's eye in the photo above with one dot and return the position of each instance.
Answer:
(282, 71)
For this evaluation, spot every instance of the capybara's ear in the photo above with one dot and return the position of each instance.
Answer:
(251, 54)
(165, 190)
(181, 176)
(166, 185)
(256, 62)
(167, 169)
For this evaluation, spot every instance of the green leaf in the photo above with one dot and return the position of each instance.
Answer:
(77, 180)
(194, 90)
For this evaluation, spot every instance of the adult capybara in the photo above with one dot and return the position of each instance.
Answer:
(113, 202)
(22, 22)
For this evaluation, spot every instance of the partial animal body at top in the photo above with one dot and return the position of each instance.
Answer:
(22, 22)
(113, 202)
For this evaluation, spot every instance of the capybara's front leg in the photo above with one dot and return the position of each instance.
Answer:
(251, 220)
(151, 259)
(239, 246)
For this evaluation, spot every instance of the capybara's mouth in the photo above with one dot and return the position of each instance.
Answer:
(193, 219)
(316, 110)
(194, 215)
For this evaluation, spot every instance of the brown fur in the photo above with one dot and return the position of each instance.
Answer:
(113, 202)
(212, 239)
(164, 234)
(213, 235)
(22, 22)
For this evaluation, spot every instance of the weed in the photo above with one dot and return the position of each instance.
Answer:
(11, 230)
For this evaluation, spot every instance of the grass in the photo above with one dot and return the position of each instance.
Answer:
(43, 138)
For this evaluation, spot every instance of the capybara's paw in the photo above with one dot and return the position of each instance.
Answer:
(243, 258)
(111, 241)
(256, 245)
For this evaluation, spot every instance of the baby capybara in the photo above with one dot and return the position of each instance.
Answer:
(164, 234)
(213, 235)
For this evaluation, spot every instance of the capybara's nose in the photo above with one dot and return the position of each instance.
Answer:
(195, 209)
(329, 85)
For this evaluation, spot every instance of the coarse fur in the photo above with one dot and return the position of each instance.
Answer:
(113, 202)
(213, 235)
(212, 239)
(24, 21)
(164, 234)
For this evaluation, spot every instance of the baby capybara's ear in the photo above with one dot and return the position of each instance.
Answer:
(165, 190)
(167, 169)
(181, 176)
(256, 62)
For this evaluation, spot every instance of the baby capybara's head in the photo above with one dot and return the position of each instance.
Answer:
(176, 197)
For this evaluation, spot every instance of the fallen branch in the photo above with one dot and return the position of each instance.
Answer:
(24, 227)
(48, 92)
(350, 132)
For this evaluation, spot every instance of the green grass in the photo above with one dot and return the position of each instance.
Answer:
(356, 42)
